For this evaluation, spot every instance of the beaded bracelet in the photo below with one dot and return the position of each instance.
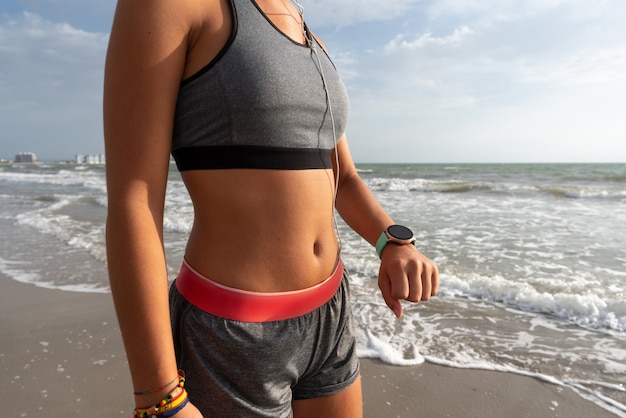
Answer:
(168, 406)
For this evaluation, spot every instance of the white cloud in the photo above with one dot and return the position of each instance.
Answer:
(426, 40)
(50, 84)
(79, 13)
(582, 67)
(439, 9)
(341, 13)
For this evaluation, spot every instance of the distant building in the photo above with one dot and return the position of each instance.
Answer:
(90, 159)
(25, 157)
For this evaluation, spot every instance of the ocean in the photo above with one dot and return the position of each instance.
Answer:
(532, 260)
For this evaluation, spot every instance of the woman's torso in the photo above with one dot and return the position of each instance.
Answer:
(257, 229)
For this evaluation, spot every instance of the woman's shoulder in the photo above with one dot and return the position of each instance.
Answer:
(166, 16)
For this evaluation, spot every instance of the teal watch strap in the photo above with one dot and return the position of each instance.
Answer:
(381, 243)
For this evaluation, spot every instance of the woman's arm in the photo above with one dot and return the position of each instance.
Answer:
(144, 66)
(405, 273)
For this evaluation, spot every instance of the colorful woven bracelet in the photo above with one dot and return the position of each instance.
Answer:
(168, 404)
(171, 413)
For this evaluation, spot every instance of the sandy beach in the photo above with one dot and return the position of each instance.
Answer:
(61, 355)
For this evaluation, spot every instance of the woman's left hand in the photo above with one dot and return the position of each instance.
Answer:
(406, 274)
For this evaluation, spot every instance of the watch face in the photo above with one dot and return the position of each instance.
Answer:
(400, 232)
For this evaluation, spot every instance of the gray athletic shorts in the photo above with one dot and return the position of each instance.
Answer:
(255, 369)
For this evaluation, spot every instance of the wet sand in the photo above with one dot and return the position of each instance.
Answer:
(61, 355)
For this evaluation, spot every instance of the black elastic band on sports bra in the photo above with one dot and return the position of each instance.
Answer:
(251, 156)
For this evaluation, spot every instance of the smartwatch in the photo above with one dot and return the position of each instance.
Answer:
(396, 234)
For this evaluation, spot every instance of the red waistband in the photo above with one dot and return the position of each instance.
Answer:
(247, 306)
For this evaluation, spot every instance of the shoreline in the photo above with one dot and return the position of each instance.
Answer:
(61, 354)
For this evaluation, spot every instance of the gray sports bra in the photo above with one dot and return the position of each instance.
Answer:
(261, 103)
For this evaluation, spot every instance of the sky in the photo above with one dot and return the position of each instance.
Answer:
(430, 81)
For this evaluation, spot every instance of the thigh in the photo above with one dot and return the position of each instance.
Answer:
(345, 404)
